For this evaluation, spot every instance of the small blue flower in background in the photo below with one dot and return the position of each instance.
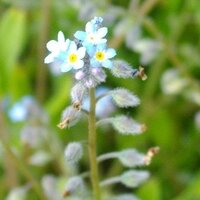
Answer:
(19, 111)
(72, 58)
(56, 47)
(105, 102)
(93, 34)
(101, 55)
(97, 20)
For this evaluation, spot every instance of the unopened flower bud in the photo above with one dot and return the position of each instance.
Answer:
(78, 93)
(19, 193)
(74, 185)
(79, 75)
(172, 82)
(40, 158)
(99, 75)
(50, 187)
(89, 83)
(96, 70)
(70, 117)
(73, 152)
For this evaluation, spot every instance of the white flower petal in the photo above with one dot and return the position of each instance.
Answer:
(80, 35)
(79, 64)
(95, 63)
(64, 45)
(89, 28)
(110, 53)
(67, 44)
(52, 45)
(101, 41)
(102, 32)
(49, 58)
(65, 67)
(72, 46)
(81, 52)
(61, 37)
(107, 64)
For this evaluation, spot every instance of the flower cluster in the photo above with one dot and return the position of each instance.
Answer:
(86, 55)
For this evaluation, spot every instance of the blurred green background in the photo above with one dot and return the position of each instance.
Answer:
(161, 35)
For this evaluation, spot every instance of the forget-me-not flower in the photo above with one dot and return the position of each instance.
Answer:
(19, 111)
(87, 52)
(101, 56)
(72, 58)
(56, 47)
(93, 34)
(65, 53)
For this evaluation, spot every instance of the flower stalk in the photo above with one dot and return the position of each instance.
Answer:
(92, 146)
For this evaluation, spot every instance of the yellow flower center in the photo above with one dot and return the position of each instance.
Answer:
(100, 55)
(73, 58)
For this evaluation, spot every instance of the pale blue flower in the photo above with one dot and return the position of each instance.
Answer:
(19, 110)
(72, 58)
(100, 56)
(97, 20)
(56, 47)
(105, 102)
(93, 34)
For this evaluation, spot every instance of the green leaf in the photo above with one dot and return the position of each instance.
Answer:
(124, 98)
(124, 125)
(12, 32)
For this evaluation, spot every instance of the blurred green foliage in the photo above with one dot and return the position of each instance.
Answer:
(26, 26)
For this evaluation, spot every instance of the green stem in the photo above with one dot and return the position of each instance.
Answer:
(42, 69)
(147, 6)
(92, 146)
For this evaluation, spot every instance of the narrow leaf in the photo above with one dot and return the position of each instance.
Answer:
(126, 125)
(12, 32)
(122, 69)
(134, 178)
(124, 98)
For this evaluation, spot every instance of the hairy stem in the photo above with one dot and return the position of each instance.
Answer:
(107, 156)
(147, 6)
(110, 181)
(92, 147)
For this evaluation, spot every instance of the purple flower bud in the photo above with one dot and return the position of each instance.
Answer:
(89, 83)
(96, 70)
(79, 75)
